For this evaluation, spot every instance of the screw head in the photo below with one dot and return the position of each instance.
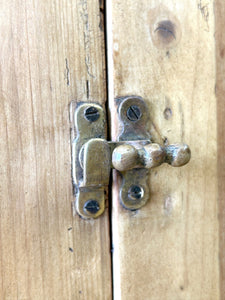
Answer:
(91, 206)
(134, 113)
(135, 192)
(91, 114)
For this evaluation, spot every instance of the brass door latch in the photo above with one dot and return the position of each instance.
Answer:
(133, 154)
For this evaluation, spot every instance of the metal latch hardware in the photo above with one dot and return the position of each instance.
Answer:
(133, 154)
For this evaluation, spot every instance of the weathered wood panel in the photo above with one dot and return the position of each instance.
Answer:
(220, 93)
(52, 52)
(164, 51)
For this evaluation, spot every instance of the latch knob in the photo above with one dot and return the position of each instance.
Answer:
(127, 157)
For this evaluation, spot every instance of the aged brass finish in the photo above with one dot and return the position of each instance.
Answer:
(132, 155)
(90, 164)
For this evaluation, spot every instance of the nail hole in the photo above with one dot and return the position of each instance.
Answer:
(167, 113)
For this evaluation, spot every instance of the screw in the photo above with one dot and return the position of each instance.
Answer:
(135, 192)
(91, 114)
(91, 206)
(134, 113)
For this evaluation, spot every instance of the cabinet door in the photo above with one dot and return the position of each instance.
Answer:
(52, 52)
(165, 52)
(172, 54)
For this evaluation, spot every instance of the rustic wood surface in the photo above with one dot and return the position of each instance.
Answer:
(220, 92)
(164, 51)
(52, 52)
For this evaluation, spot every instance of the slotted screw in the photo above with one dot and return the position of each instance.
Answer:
(91, 206)
(135, 192)
(91, 114)
(134, 113)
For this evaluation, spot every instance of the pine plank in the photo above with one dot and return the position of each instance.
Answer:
(164, 51)
(220, 92)
(52, 52)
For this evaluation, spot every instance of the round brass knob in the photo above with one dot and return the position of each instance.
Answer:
(154, 155)
(178, 155)
(125, 157)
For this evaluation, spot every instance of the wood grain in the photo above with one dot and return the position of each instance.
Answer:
(220, 92)
(52, 52)
(164, 51)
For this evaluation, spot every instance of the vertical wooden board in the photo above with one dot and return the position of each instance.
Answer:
(52, 52)
(220, 92)
(164, 51)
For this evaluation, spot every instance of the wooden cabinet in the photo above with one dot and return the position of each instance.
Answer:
(54, 52)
